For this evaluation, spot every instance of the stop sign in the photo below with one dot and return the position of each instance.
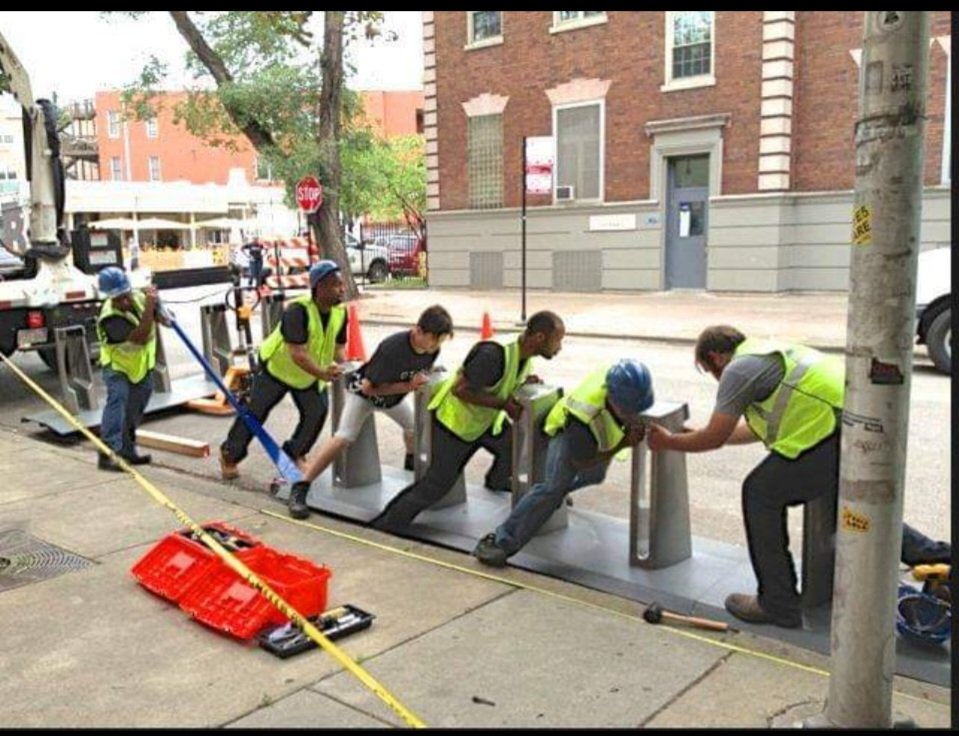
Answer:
(309, 194)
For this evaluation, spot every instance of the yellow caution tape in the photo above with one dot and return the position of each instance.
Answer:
(535, 589)
(232, 562)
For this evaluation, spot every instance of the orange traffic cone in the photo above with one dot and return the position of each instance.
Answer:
(487, 331)
(354, 339)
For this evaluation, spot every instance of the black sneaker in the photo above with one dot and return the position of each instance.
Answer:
(138, 459)
(297, 502)
(505, 488)
(408, 462)
(105, 462)
(488, 553)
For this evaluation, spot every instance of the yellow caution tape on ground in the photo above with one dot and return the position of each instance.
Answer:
(232, 562)
(535, 589)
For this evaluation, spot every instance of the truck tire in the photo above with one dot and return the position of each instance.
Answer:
(378, 272)
(939, 340)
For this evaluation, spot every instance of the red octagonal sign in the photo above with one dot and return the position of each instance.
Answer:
(309, 194)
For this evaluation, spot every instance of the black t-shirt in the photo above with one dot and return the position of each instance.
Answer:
(394, 361)
(118, 328)
(295, 321)
(484, 365)
(582, 444)
(255, 251)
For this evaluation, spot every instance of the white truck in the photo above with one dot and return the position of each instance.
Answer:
(40, 286)
(934, 305)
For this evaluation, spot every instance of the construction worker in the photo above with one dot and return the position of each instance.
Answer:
(400, 365)
(471, 408)
(587, 427)
(300, 356)
(126, 329)
(791, 398)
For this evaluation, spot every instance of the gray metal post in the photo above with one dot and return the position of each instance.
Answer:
(659, 531)
(73, 368)
(161, 374)
(530, 446)
(880, 333)
(423, 441)
(359, 463)
(271, 312)
(217, 345)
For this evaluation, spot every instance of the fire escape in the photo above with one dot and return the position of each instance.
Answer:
(78, 140)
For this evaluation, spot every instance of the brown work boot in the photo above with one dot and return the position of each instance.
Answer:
(747, 608)
(228, 469)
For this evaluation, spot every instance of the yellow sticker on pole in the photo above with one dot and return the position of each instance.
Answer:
(862, 226)
(854, 521)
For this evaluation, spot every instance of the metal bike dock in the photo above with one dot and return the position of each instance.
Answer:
(647, 555)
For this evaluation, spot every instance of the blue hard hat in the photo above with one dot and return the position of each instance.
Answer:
(630, 386)
(113, 281)
(922, 618)
(320, 270)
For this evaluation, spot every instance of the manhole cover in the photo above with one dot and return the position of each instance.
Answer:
(25, 559)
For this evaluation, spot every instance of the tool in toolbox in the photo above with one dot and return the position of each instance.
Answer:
(287, 640)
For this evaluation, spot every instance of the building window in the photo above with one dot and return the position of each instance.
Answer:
(567, 20)
(579, 149)
(116, 173)
(154, 168)
(485, 155)
(419, 120)
(264, 172)
(151, 128)
(7, 139)
(485, 27)
(689, 48)
(113, 124)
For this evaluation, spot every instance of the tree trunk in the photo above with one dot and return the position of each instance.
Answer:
(328, 221)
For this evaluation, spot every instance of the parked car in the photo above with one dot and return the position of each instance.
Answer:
(366, 258)
(934, 305)
(407, 255)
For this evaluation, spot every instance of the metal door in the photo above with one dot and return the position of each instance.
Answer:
(687, 200)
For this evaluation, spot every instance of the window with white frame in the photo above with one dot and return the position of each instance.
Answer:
(485, 161)
(689, 45)
(154, 168)
(7, 139)
(579, 149)
(264, 172)
(116, 172)
(151, 128)
(485, 25)
(570, 18)
(113, 123)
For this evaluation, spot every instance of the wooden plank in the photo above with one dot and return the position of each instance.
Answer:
(171, 443)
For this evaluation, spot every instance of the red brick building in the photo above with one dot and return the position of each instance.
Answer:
(694, 149)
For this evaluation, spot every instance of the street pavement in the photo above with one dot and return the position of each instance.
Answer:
(454, 644)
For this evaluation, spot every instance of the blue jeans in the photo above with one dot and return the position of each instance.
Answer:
(545, 497)
(123, 411)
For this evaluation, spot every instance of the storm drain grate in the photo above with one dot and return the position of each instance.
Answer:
(25, 559)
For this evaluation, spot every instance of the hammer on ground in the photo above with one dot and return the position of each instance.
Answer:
(654, 614)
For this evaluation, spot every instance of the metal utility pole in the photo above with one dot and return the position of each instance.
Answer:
(879, 344)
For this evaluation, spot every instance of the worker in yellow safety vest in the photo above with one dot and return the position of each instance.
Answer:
(470, 411)
(587, 427)
(126, 329)
(301, 356)
(790, 398)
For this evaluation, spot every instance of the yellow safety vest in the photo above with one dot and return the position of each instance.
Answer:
(587, 402)
(469, 421)
(320, 344)
(132, 360)
(804, 408)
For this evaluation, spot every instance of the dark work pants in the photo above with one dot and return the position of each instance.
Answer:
(123, 411)
(449, 455)
(266, 393)
(918, 549)
(773, 485)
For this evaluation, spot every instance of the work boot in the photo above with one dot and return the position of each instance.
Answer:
(297, 503)
(489, 553)
(747, 608)
(408, 462)
(507, 487)
(135, 459)
(228, 469)
(105, 462)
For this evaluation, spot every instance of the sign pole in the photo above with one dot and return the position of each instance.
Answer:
(522, 316)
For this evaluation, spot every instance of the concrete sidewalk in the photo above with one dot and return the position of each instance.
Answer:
(457, 646)
(816, 319)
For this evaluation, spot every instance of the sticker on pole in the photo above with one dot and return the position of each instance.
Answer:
(888, 21)
(862, 226)
(309, 194)
(854, 521)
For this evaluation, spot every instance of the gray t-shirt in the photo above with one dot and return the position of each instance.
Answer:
(748, 379)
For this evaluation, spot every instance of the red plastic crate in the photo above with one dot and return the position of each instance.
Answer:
(226, 602)
(177, 562)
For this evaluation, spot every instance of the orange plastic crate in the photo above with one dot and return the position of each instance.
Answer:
(177, 562)
(226, 602)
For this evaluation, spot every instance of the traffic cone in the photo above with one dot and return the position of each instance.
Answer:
(354, 339)
(487, 331)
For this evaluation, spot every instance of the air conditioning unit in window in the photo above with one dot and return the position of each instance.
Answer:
(565, 194)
